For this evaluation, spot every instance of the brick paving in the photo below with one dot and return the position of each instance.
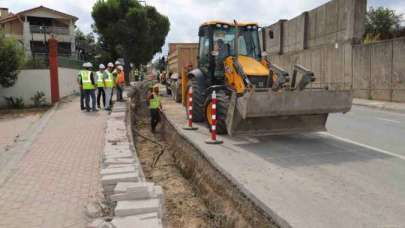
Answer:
(59, 175)
(14, 126)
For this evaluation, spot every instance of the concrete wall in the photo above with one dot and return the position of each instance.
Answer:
(28, 83)
(31, 81)
(68, 81)
(327, 40)
(320, 39)
(379, 70)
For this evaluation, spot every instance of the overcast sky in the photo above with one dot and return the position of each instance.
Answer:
(186, 15)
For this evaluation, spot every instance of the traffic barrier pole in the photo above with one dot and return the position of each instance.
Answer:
(190, 111)
(213, 139)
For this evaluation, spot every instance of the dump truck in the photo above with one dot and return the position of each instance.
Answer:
(181, 58)
(254, 96)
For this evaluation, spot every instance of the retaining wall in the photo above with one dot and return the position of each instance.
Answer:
(327, 40)
(379, 70)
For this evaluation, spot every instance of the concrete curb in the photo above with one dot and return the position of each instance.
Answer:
(137, 203)
(23, 145)
(382, 105)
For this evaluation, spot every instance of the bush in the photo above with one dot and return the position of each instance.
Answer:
(15, 102)
(39, 99)
(11, 60)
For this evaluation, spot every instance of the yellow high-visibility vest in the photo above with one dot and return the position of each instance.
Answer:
(154, 103)
(86, 80)
(100, 76)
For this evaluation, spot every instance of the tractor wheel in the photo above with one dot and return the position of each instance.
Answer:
(222, 110)
(198, 100)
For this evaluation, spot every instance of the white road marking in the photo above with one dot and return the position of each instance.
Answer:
(364, 145)
(388, 120)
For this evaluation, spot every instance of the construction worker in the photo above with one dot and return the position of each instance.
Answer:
(89, 85)
(109, 86)
(119, 82)
(110, 70)
(81, 92)
(101, 75)
(155, 106)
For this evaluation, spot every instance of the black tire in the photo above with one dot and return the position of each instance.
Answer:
(198, 100)
(222, 110)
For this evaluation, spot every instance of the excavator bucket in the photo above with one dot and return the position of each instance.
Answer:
(265, 112)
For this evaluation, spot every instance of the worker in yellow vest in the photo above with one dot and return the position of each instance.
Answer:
(101, 75)
(109, 86)
(155, 106)
(89, 85)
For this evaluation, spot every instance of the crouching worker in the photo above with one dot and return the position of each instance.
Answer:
(155, 107)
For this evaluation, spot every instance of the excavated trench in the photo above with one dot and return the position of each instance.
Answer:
(196, 193)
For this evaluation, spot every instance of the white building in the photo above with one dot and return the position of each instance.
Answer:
(33, 27)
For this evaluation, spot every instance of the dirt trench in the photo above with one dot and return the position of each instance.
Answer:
(196, 194)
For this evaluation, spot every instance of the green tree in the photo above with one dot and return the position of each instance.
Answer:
(381, 23)
(134, 31)
(85, 45)
(11, 60)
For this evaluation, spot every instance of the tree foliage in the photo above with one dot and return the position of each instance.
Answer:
(85, 45)
(135, 31)
(382, 23)
(11, 60)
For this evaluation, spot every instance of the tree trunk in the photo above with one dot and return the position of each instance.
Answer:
(127, 68)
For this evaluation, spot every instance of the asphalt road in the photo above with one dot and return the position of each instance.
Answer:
(354, 173)
(351, 176)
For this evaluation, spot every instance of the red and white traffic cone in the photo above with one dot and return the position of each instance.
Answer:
(190, 111)
(213, 139)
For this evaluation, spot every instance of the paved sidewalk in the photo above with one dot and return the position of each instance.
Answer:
(11, 127)
(384, 105)
(58, 176)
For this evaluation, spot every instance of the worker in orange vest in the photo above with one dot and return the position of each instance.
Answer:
(119, 82)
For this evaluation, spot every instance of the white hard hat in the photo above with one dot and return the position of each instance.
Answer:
(110, 64)
(117, 62)
(101, 66)
(87, 65)
(120, 67)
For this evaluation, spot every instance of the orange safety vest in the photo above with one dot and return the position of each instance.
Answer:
(120, 78)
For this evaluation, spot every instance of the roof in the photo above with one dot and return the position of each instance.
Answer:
(13, 16)
(214, 22)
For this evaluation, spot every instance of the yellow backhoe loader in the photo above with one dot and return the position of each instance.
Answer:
(254, 97)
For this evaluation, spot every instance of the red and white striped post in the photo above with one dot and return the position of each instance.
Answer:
(189, 109)
(213, 139)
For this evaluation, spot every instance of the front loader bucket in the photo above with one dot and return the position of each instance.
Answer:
(271, 113)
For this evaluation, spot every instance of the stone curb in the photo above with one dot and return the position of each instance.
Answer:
(138, 203)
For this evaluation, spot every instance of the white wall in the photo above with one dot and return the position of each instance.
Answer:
(28, 83)
(31, 81)
(68, 81)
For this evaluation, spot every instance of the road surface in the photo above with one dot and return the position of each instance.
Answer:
(351, 176)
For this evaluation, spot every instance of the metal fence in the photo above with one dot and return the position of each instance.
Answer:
(69, 62)
(41, 61)
(36, 61)
(49, 29)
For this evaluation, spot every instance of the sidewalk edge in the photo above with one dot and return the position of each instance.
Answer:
(386, 106)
